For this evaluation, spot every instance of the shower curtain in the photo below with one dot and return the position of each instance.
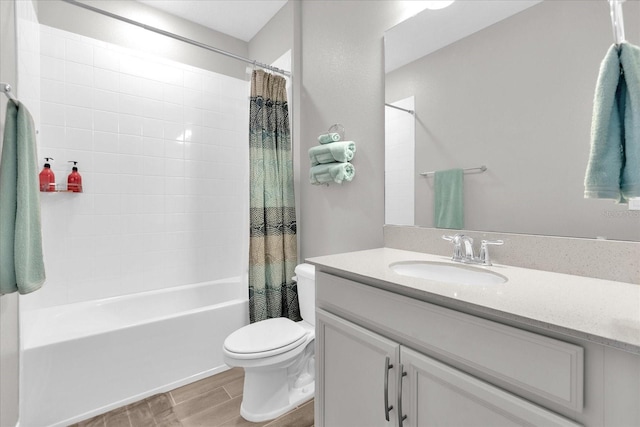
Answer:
(273, 241)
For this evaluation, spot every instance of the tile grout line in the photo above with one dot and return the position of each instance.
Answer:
(299, 407)
(153, 416)
(173, 401)
(200, 395)
(228, 394)
(153, 413)
(218, 421)
(126, 411)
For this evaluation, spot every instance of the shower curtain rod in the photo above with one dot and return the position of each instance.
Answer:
(178, 37)
(401, 109)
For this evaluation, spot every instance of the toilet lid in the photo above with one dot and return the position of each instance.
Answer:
(264, 336)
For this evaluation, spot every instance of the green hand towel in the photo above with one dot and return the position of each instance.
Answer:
(342, 151)
(336, 172)
(613, 171)
(602, 179)
(21, 261)
(449, 201)
(630, 181)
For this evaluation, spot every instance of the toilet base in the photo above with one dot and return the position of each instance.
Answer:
(296, 398)
(271, 392)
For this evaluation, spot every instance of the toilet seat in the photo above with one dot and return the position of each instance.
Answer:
(264, 339)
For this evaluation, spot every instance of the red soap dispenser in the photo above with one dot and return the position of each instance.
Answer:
(74, 180)
(47, 177)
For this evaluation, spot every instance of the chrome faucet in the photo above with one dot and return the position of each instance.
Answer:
(463, 249)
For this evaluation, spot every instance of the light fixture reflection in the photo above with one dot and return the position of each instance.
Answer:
(411, 8)
(437, 4)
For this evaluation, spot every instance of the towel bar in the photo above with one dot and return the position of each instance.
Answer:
(480, 170)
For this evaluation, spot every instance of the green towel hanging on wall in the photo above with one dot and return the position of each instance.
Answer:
(448, 199)
(21, 261)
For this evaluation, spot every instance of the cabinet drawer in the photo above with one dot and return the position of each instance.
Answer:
(545, 367)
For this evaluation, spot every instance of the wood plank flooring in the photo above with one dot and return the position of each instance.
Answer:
(211, 402)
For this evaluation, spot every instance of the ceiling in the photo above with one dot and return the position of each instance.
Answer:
(431, 30)
(241, 19)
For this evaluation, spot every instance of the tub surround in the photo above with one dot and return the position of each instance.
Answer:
(162, 151)
(601, 311)
(575, 256)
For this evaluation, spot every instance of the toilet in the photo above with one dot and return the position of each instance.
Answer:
(277, 356)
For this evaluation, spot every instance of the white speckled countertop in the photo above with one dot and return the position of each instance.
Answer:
(601, 311)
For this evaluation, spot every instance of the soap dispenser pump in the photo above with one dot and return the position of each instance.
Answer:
(47, 177)
(74, 180)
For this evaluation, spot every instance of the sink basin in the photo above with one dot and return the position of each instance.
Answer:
(447, 272)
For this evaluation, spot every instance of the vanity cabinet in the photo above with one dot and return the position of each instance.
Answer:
(438, 395)
(363, 373)
(379, 353)
(358, 373)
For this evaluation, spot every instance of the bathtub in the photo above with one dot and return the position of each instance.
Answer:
(83, 359)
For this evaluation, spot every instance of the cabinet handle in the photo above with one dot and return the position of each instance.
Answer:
(401, 417)
(387, 408)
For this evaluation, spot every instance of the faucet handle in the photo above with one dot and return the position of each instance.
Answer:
(457, 245)
(454, 239)
(485, 259)
(492, 242)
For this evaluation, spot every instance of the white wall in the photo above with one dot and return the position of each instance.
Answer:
(19, 66)
(343, 82)
(163, 155)
(275, 38)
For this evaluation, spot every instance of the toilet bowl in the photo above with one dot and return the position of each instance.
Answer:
(277, 356)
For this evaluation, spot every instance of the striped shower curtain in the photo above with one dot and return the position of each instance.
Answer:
(273, 241)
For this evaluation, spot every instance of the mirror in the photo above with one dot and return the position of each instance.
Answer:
(516, 95)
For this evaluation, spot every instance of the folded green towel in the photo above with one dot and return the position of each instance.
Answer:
(448, 200)
(329, 138)
(341, 151)
(337, 172)
(21, 261)
(613, 171)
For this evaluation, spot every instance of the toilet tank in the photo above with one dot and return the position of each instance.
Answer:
(306, 278)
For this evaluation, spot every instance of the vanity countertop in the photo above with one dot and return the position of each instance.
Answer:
(601, 311)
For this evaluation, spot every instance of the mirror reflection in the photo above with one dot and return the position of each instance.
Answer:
(515, 96)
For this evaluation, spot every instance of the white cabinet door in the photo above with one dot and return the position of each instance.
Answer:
(352, 365)
(435, 394)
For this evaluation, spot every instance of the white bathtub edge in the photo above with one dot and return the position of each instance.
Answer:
(28, 319)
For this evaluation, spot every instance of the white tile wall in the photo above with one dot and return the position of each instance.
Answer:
(28, 59)
(163, 153)
(399, 167)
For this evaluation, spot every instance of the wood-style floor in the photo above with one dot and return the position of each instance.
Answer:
(211, 402)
